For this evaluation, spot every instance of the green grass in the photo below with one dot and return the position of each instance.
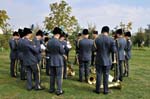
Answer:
(137, 86)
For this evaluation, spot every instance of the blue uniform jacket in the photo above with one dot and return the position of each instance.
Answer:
(37, 44)
(29, 52)
(55, 52)
(128, 49)
(104, 46)
(13, 48)
(85, 49)
(121, 45)
(20, 51)
(64, 43)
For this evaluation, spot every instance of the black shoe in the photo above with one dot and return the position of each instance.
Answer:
(65, 77)
(51, 91)
(13, 76)
(107, 92)
(59, 93)
(23, 79)
(114, 80)
(80, 80)
(39, 88)
(121, 79)
(97, 92)
(29, 89)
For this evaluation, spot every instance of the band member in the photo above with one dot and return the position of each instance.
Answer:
(68, 45)
(30, 60)
(56, 52)
(95, 35)
(37, 43)
(13, 43)
(85, 46)
(121, 44)
(79, 36)
(20, 54)
(64, 43)
(127, 53)
(47, 56)
(104, 46)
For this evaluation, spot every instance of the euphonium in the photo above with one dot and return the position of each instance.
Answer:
(92, 76)
(92, 79)
(70, 70)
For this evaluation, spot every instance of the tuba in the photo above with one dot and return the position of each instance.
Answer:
(92, 80)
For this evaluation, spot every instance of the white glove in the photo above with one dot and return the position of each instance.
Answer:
(69, 46)
(43, 47)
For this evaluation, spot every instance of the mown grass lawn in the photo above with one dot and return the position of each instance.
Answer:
(136, 86)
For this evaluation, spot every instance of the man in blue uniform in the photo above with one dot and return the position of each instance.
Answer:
(104, 46)
(30, 60)
(127, 53)
(79, 36)
(47, 56)
(64, 43)
(20, 55)
(13, 43)
(37, 42)
(121, 44)
(95, 35)
(85, 46)
(56, 52)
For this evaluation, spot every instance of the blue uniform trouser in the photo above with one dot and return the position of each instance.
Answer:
(56, 74)
(120, 73)
(126, 67)
(93, 58)
(65, 69)
(102, 70)
(84, 68)
(35, 70)
(47, 67)
(13, 68)
(22, 71)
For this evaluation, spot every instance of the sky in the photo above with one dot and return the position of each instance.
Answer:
(23, 13)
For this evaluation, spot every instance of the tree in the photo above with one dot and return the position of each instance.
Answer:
(139, 38)
(147, 34)
(91, 28)
(3, 18)
(3, 22)
(60, 16)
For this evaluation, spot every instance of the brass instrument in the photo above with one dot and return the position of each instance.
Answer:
(70, 70)
(92, 76)
(92, 80)
(114, 85)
